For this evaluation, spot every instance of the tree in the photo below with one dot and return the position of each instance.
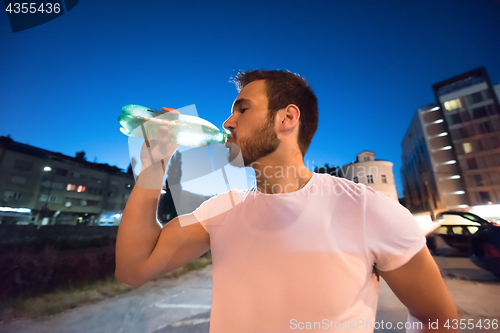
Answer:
(331, 170)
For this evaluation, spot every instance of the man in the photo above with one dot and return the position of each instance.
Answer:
(298, 251)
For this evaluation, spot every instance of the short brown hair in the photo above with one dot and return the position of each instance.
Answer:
(284, 88)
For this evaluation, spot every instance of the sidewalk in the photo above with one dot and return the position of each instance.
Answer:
(183, 305)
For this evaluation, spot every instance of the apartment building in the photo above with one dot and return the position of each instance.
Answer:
(451, 150)
(41, 187)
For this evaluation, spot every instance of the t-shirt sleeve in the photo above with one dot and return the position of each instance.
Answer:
(392, 234)
(214, 207)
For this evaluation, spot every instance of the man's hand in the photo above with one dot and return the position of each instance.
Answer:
(160, 148)
(155, 153)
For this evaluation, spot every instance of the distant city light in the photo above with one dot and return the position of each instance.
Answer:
(446, 148)
(434, 108)
(458, 192)
(451, 177)
(462, 206)
(450, 162)
(442, 134)
(437, 121)
(47, 168)
(15, 210)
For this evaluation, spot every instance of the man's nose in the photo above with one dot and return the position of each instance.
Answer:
(229, 124)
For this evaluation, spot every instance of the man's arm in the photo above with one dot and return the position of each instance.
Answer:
(419, 286)
(144, 249)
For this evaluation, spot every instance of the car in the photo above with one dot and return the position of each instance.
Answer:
(458, 227)
(485, 248)
(473, 235)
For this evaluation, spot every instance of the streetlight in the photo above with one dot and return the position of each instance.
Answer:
(45, 207)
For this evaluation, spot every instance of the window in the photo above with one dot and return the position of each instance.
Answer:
(479, 180)
(369, 179)
(94, 190)
(479, 112)
(58, 186)
(97, 180)
(23, 165)
(486, 127)
(471, 163)
(463, 132)
(467, 147)
(465, 116)
(495, 143)
(18, 180)
(384, 179)
(46, 198)
(70, 187)
(367, 158)
(11, 195)
(80, 188)
(60, 172)
(355, 179)
(475, 98)
(491, 109)
(484, 197)
(453, 104)
(455, 119)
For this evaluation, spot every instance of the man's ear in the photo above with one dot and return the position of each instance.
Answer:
(289, 114)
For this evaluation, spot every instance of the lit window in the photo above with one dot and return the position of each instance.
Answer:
(384, 179)
(453, 104)
(70, 187)
(80, 188)
(467, 147)
(369, 179)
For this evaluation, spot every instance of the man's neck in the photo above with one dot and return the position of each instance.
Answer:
(279, 175)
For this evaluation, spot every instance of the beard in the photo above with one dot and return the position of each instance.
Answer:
(263, 142)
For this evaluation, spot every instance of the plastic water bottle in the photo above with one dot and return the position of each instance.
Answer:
(138, 121)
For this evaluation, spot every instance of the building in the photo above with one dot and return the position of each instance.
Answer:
(451, 151)
(429, 172)
(41, 187)
(371, 172)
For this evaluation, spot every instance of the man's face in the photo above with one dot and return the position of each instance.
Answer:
(251, 129)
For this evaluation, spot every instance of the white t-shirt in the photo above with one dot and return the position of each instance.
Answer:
(303, 259)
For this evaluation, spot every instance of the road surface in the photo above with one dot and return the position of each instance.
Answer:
(183, 305)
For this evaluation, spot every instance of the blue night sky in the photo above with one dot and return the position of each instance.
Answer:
(371, 64)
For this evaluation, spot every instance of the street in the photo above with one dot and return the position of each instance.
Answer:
(183, 305)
